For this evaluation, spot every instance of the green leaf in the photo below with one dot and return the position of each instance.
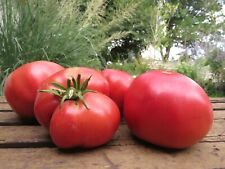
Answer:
(85, 83)
(51, 91)
(84, 103)
(68, 83)
(78, 81)
(87, 91)
(74, 83)
(58, 86)
(63, 99)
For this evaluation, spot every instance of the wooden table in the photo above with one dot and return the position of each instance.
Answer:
(26, 145)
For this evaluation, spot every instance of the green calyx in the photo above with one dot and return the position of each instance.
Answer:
(75, 90)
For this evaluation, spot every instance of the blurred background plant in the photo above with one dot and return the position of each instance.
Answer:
(115, 34)
(134, 67)
(216, 61)
(69, 32)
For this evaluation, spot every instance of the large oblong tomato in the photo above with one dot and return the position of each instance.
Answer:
(20, 87)
(119, 82)
(74, 125)
(167, 109)
(46, 103)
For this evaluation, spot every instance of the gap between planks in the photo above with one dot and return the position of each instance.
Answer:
(12, 119)
(4, 107)
(17, 133)
(37, 136)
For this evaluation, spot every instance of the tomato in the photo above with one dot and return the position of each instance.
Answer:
(167, 109)
(21, 85)
(119, 82)
(46, 103)
(73, 125)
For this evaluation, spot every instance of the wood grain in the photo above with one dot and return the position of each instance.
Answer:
(218, 106)
(2, 99)
(37, 136)
(26, 145)
(4, 106)
(213, 100)
(12, 119)
(200, 156)
(217, 100)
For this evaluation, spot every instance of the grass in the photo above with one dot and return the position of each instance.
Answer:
(68, 32)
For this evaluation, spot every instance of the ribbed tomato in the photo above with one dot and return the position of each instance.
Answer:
(74, 125)
(46, 103)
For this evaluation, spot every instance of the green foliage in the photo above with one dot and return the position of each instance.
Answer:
(132, 45)
(133, 67)
(69, 32)
(159, 28)
(191, 21)
(201, 72)
(212, 90)
(187, 69)
(170, 23)
(216, 61)
(92, 32)
(208, 72)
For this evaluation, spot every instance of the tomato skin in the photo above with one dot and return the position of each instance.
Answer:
(119, 82)
(46, 103)
(167, 109)
(21, 85)
(72, 125)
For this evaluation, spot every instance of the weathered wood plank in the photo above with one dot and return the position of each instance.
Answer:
(27, 145)
(11, 118)
(23, 136)
(14, 133)
(217, 100)
(4, 107)
(217, 130)
(200, 156)
(36, 136)
(219, 114)
(2, 99)
(218, 106)
(214, 100)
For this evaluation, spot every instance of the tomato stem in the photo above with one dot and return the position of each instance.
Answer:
(75, 90)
